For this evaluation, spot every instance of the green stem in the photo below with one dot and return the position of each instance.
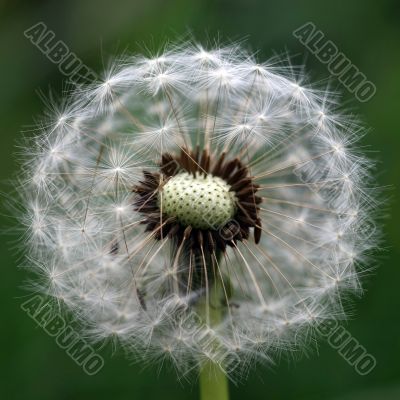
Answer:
(213, 380)
(213, 383)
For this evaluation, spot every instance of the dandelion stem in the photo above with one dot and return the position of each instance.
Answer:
(213, 382)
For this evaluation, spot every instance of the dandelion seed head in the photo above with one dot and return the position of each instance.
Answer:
(200, 205)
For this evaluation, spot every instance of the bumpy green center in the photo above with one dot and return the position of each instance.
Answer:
(204, 202)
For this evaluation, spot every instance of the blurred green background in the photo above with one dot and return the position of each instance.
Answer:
(368, 32)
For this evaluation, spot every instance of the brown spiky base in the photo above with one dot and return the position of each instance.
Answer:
(215, 239)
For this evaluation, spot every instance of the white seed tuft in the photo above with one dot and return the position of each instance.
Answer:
(89, 245)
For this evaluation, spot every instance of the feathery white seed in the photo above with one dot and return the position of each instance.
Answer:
(89, 246)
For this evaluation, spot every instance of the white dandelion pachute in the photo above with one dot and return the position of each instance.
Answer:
(199, 206)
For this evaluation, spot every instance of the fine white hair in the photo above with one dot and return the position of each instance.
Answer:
(89, 246)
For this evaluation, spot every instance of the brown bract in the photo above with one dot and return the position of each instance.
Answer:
(214, 239)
